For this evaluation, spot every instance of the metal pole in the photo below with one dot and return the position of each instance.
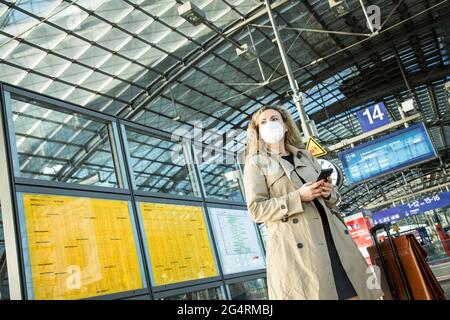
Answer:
(405, 79)
(412, 93)
(400, 110)
(8, 213)
(257, 57)
(294, 87)
(367, 17)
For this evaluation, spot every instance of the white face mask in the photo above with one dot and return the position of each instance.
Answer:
(272, 132)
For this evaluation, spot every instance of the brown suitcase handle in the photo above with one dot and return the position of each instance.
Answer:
(373, 233)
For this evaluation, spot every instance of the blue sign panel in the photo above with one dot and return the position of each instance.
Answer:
(440, 200)
(373, 117)
(389, 153)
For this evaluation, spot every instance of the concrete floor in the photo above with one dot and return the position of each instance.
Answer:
(442, 273)
(446, 286)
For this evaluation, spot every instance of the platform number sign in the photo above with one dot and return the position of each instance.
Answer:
(373, 117)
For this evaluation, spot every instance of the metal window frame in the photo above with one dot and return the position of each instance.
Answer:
(126, 295)
(197, 164)
(9, 209)
(163, 136)
(254, 276)
(194, 288)
(61, 106)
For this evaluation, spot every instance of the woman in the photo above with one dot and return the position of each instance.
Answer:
(310, 253)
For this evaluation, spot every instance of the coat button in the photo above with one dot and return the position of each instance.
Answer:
(346, 231)
(284, 219)
(283, 207)
(295, 220)
(299, 245)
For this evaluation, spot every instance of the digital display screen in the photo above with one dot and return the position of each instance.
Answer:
(401, 149)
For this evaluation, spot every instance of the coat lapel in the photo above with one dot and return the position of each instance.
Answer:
(288, 168)
(302, 165)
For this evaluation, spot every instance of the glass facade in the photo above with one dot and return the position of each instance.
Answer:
(159, 166)
(133, 65)
(431, 228)
(72, 154)
(222, 181)
(249, 290)
(55, 145)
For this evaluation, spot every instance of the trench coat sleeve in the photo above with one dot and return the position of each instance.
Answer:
(335, 197)
(261, 206)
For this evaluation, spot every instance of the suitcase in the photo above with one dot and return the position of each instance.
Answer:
(405, 274)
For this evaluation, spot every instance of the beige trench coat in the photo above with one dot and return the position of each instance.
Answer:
(298, 263)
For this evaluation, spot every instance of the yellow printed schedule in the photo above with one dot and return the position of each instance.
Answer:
(80, 247)
(178, 242)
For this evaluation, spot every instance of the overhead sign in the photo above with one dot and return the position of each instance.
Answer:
(373, 117)
(237, 240)
(178, 243)
(315, 148)
(79, 247)
(392, 152)
(440, 200)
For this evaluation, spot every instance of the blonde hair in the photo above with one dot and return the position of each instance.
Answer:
(256, 145)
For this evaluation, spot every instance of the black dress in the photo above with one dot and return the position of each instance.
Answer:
(343, 285)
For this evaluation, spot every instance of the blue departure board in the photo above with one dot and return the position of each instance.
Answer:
(392, 152)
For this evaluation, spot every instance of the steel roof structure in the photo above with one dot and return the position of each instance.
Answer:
(141, 61)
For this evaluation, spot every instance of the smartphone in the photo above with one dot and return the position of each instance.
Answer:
(324, 174)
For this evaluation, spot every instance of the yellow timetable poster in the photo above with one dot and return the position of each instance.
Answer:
(178, 242)
(80, 247)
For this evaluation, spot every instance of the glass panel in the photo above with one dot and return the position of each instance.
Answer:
(249, 290)
(205, 294)
(57, 146)
(220, 179)
(159, 166)
(77, 247)
(178, 243)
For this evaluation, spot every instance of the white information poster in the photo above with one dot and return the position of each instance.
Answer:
(237, 240)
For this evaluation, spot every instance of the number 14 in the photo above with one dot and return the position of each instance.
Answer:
(377, 114)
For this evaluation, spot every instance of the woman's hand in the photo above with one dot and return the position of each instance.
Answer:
(309, 191)
(327, 188)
